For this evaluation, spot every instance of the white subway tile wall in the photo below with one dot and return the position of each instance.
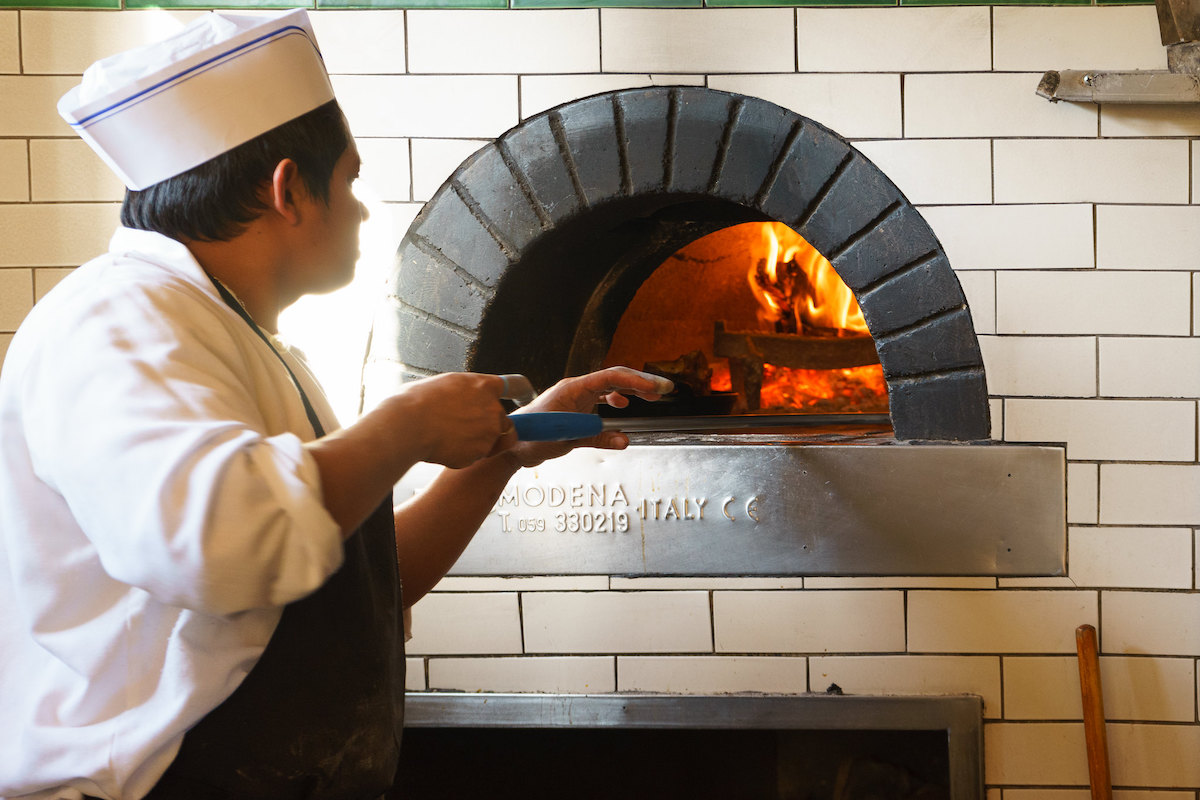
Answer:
(856, 106)
(14, 170)
(1015, 236)
(1076, 238)
(504, 42)
(10, 42)
(697, 40)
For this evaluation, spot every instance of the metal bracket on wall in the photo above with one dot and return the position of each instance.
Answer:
(1179, 28)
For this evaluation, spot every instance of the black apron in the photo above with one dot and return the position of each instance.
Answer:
(320, 715)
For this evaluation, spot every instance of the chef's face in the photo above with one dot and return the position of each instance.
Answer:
(334, 235)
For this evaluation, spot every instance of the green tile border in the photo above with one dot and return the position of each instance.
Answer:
(533, 4)
(138, 5)
(19, 4)
(606, 4)
(401, 4)
(799, 3)
(998, 2)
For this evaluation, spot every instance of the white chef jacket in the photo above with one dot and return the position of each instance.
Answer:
(157, 510)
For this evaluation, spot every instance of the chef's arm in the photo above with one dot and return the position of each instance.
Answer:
(434, 527)
(453, 419)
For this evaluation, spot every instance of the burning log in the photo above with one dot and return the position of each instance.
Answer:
(748, 351)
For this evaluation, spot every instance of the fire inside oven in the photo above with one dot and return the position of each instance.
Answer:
(752, 319)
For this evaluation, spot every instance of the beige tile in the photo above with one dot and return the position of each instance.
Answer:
(1054, 582)
(981, 237)
(385, 168)
(1161, 689)
(543, 674)
(503, 41)
(1042, 688)
(542, 92)
(1196, 306)
(1106, 37)
(1155, 755)
(531, 583)
(1154, 689)
(362, 42)
(1162, 623)
(855, 106)
(1118, 430)
(1013, 621)
(980, 291)
(706, 583)
(935, 171)
(808, 622)
(14, 171)
(617, 622)
(921, 675)
(68, 42)
(433, 106)
(1091, 170)
(988, 105)
(1090, 303)
(697, 40)
(892, 39)
(1148, 237)
(996, 411)
(435, 160)
(712, 674)
(414, 674)
(466, 623)
(1121, 119)
(1195, 172)
(1053, 366)
(1149, 494)
(1031, 753)
(10, 43)
(1149, 367)
(5, 341)
(59, 234)
(16, 297)
(46, 278)
(900, 582)
(1083, 494)
(28, 105)
(67, 170)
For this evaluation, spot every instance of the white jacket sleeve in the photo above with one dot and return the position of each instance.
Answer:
(175, 437)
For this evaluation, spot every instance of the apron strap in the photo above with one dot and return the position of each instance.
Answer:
(237, 306)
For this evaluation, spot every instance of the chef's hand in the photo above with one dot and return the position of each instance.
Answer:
(457, 417)
(581, 394)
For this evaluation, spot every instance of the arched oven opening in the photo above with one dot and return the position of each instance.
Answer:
(530, 255)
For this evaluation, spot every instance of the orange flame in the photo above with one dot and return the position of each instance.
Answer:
(798, 288)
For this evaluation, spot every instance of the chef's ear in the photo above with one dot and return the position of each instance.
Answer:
(285, 189)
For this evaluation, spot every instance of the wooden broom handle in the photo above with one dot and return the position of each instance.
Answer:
(1093, 713)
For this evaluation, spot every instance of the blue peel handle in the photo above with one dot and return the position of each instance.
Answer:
(555, 426)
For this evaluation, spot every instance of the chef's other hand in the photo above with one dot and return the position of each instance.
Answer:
(457, 417)
(582, 394)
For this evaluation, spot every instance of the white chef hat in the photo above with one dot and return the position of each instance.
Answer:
(161, 109)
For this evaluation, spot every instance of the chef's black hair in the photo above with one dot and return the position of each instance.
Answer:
(216, 200)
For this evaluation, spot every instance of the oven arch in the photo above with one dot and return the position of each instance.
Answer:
(523, 260)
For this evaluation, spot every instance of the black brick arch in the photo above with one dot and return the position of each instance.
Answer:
(524, 260)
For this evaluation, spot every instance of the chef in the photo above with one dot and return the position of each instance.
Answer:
(200, 573)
